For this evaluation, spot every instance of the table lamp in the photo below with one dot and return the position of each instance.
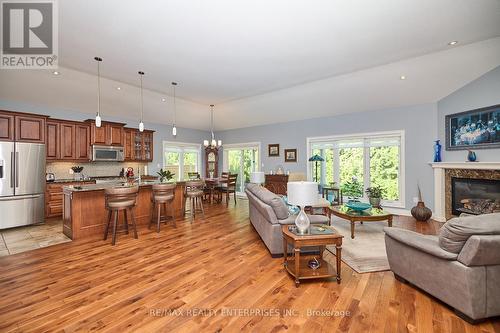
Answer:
(257, 177)
(302, 194)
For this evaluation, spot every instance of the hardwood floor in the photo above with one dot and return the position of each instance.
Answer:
(157, 282)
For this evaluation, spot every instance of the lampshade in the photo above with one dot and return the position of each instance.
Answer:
(302, 193)
(257, 177)
(316, 158)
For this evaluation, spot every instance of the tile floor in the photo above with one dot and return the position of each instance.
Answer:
(21, 239)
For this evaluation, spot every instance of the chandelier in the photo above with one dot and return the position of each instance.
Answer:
(212, 143)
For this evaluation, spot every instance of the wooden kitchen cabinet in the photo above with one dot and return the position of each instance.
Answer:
(82, 142)
(128, 143)
(6, 127)
(143, 146)
(52, 150)
(54, 197)
(22, 127)
(109, 134)
(67, 141)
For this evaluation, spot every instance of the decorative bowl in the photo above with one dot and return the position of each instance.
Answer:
(358, 206)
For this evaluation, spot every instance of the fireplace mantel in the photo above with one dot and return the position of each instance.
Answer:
(466, 165)
(439, 182)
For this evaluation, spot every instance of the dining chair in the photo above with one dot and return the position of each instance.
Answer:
(228, 187)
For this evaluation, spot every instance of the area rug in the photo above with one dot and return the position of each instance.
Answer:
(366, 252)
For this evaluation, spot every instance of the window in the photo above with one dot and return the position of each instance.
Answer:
(371, 159)
(241, 159)
(181, 158)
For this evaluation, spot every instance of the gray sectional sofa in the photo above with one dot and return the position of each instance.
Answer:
(460, 266)
(268, 213)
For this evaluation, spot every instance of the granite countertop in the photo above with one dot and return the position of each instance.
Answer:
(68, 180)
(103, 186)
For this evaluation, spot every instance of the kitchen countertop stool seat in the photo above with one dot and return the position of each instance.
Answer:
(120, 199)
(162, 195)
(194, 192)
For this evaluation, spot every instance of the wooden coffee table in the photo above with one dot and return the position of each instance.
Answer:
(369, 215)
(297, 265)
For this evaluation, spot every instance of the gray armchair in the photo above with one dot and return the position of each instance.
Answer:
(461, 266)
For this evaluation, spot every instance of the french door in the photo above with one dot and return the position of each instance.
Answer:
(242, 159)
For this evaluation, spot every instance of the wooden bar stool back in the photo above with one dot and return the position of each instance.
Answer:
(163, 194)
(194, 192)
(120, 199)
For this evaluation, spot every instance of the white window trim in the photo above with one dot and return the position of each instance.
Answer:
(398, 133)
(245, 145)
(182, 145)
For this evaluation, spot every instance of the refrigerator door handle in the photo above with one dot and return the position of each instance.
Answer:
(17, 169)
(20, 197)
(12, 174)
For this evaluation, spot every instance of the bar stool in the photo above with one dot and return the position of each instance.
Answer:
(163, 194)
(120, 199)
(194, 192)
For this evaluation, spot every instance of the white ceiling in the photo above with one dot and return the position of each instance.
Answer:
(242, 55)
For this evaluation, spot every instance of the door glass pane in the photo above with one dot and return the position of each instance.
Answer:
(351, 171)
(384, 170)
(172, 163)
(329, 166)
(248, 166)
(190, 163)
(234, 165)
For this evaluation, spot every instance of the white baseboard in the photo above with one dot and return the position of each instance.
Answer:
(398, 211)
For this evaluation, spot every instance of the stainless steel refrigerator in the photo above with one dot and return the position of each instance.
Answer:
(22, 184)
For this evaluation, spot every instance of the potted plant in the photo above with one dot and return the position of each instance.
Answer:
(165, 175)
(374, 195)
(353, 189)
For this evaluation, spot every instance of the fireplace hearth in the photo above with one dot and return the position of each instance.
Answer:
(475, 196)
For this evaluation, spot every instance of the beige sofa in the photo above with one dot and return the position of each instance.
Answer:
(460, 266)
(268, 213)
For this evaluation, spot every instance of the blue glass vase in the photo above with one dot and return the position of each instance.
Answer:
(471, 156)
(437, 151)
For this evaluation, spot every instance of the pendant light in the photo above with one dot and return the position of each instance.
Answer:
(98, 115)
(141, 124)
(212, 142)
(174, 129)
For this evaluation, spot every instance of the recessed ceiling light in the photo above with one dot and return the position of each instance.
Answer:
(402, 77)
(163, 99)
(55, 72)
(118, 88)
(454, 42)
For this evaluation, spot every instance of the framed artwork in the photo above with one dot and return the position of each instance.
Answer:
(474, 129)
(273, 150)
(290, 155)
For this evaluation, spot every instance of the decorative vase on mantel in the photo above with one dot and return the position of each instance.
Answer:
(420, 212)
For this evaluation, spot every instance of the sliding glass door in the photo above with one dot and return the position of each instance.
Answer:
(241, 160)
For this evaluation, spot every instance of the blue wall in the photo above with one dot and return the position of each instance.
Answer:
(418, 122)
(162, 132)
(482, 92)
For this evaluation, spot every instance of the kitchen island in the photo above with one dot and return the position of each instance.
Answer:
(85, 214)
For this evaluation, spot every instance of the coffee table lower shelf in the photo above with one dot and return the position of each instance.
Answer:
(326, 270)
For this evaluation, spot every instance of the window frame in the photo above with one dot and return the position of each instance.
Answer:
(310, 141)
(182, 147)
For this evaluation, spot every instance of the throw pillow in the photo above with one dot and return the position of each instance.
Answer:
(454, 234)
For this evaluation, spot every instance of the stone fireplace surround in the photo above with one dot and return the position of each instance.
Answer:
(444, 171)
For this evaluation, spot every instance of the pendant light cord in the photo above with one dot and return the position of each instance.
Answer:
(98, 87)
(142, 99)
(175, 105)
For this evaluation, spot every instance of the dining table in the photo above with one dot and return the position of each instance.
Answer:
(212, 183)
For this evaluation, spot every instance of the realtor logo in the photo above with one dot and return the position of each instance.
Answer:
(29, 35)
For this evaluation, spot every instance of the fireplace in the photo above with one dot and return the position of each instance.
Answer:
(474, 196)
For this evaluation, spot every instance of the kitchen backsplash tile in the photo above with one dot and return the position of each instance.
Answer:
(96, 169)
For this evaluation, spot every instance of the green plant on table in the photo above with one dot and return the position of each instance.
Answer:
(165, 175)
(374, 192)
(352, 189)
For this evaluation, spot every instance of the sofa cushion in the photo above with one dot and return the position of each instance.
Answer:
(273, 200)
(454, 234)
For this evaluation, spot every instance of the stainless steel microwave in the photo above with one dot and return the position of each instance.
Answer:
(107, 153)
